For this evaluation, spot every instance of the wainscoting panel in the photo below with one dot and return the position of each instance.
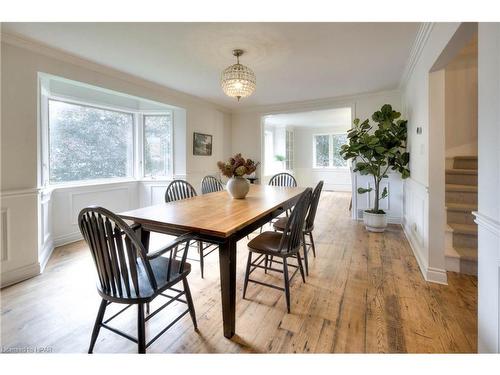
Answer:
(67, 202)
(334, 179)
(416, 228)
(392, 204)
(19, 234)
(114, 199)
(489, 279)
(4, 239)
(152, 192)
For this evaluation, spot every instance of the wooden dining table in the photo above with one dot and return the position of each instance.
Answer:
(219, 219)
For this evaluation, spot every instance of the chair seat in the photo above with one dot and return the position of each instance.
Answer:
(269, 243)
(280, 224)
(159, 266)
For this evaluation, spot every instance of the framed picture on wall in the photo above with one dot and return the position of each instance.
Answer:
(202, 144)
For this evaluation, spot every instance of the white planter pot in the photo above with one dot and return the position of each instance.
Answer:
(375, 222)
(238, 187)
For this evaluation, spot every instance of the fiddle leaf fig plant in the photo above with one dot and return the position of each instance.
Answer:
(374, 149)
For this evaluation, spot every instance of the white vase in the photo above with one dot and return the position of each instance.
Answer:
(238, 187)
(375, 222)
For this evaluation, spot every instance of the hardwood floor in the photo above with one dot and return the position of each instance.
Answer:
(364, 294)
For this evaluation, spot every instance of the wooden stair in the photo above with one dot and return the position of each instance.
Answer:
(461, 200)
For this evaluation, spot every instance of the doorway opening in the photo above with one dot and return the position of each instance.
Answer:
(307, 145)
(453, 146)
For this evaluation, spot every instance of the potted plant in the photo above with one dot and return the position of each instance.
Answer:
(236, 168)
(281, 159)
(374, 149)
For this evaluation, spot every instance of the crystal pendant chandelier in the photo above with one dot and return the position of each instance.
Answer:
(238, 81)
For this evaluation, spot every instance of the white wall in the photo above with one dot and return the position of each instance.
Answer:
(488, 215)
(430, 43)
(24, 248)
(247, 131)
(461, 102)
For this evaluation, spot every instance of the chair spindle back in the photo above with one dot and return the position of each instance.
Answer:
(118, 254)
(311, 215)
(211, 184)
(283, 179)
(292, 235)
(178, 190)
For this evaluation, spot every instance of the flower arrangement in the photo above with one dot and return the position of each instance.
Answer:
(237, 166)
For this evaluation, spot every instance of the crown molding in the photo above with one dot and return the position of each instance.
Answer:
(21, 41)
(416, 51)
(315, 104)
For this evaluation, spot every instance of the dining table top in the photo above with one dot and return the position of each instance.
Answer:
(216, 214)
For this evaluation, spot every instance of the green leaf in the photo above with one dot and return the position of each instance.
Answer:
(384, 193)
(363, 190)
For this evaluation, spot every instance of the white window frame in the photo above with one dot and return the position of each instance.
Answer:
(137, 142)
(330, 151)
(289, 150)
(268, 157)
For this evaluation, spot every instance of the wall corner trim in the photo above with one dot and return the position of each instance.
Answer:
(431, 274)
(46, 253)
(487, 222)
(416, 50)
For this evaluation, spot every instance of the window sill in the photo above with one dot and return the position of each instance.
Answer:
(77, 185)
(331, 169)
(72, 185)
(152, 180)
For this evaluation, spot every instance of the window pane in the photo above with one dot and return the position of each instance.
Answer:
(87, 143)
(321, 157)
(338, 141)
(157, 130)
(289, 150)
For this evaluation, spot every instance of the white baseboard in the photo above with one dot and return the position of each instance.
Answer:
(19, 274)
(431, 274)
(67, 238)
(452, 263)
(437, 275)
(394, 220)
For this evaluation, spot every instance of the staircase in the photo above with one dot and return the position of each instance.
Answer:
(461, 200)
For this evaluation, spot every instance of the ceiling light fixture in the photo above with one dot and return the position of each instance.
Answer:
(238, 81)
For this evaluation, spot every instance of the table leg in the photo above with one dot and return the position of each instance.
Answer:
(227, 265)
(145, 235)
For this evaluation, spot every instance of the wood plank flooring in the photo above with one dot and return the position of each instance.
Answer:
(364, 294)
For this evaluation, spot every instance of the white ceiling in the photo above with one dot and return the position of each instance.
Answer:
(337, 118)
(292, 61)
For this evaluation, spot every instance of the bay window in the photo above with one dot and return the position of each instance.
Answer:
(83, 142)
